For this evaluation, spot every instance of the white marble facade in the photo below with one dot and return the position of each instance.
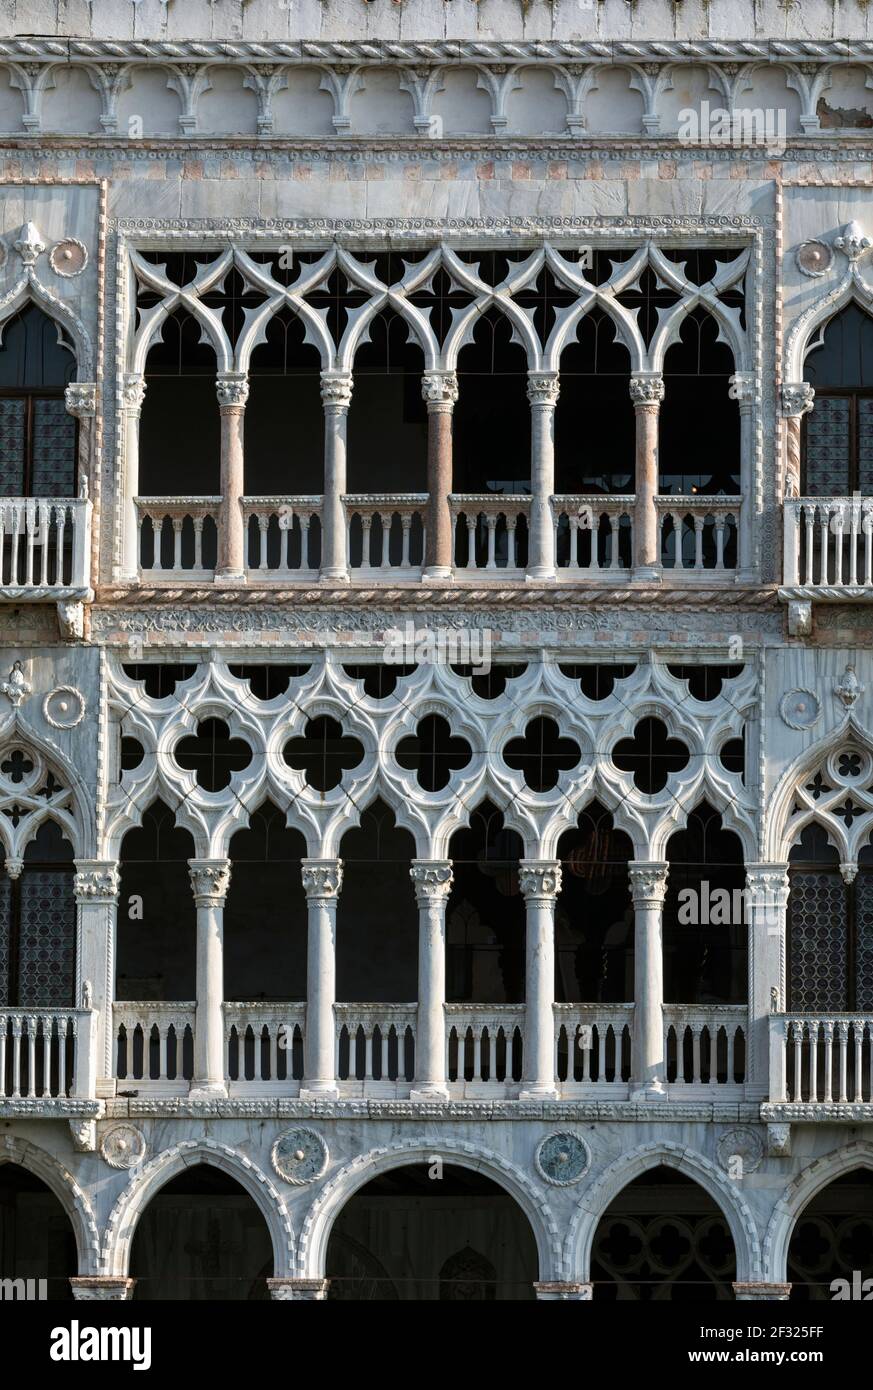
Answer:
(348, 129)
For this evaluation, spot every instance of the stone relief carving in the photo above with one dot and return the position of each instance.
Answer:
(299, 1156)
(123, 1146)
(562, 1159)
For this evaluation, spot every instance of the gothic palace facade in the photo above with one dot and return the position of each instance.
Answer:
(436, 705)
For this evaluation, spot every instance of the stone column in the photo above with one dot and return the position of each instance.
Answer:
(298, 1290)
(336, 394)
(91, 1287)
(210, 880)
(766, 904)
(132, 397)
(647, 392)
(542, 392)
(759, 1293)
(233, 391)
(440, 392)
(742, 390)
(797, 400)
(96, 889)
(559, 1292)
(648, 889)
(80, 399)
(322, 881)
(433, 884)
(540, 882)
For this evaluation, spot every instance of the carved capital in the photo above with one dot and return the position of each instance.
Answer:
(539, 879)
(210, 880)
(322, 879)
(336, 389)
(742, 387)
(132, 394)
(96, 881)
(432, 880)
(439, 388)
(232, 389)
(648, 883)
(647, 390)
(80, 398)
(543, 388)
(797, 398)
(767, 887)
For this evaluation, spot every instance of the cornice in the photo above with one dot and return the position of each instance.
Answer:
(165, 603)
(681, 1112)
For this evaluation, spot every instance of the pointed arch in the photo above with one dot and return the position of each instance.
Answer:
(777, 840)
(64, 1186)
(797, 1197)
(27, 290)
(850, 290)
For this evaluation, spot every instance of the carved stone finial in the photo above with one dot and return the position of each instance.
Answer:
(29, 244)
(849, 689)
(17, 687)
(852, 243)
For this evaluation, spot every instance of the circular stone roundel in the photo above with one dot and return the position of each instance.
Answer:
(562, 1158)
(299, 1156)
(68, 257)
(814, 258)
(800, 709)
(64, 708)
(740, 1151)
(123, 1146)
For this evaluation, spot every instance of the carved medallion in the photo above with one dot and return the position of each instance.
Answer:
(299, 1156)
(740, 1151)
(123, 1146)
(68, 257)
(814, 258)
(562, 1159)
(64, 707)
(800, 709)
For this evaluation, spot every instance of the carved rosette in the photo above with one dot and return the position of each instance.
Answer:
(80, 398)
(740, 1151)
(123, 1146)
(232, 389)
(96, 881)
(336, 390)
(322, 879)
(439, 389)
(210, 880)
(543, 388)
(797, 398)
(299, 1156)
(432, 881)
(69, 257)
(647, 390)
(539, 881)
(648, 884)
(132, 394)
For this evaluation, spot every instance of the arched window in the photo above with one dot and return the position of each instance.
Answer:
(705, 932)
(38, 926)
(830, 928)
(838, 432)
(37, 432)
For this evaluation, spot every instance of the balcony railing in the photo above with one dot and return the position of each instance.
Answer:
(698, 534)
(154, 1045)
(821, 1059)
(490, 533)
(386, 534)
(264, 1046)
(593, 1047)
(178, 537)
(47, 1053)
(485, 1046)
(283, 536)
(828, 543)
(593, 535)
(45, 545)
(705, 1046)
(375, 1046)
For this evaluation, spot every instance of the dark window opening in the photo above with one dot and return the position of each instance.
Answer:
(38, 926)
(830, 928)
(838, 432)
(38, 435)
(651, 755)
(159, 678)
(156, 936)
(265, 911)
(485, 914)
(705, 931)
(323, 753)
(433, 752)
(377, 918)
(594, 918)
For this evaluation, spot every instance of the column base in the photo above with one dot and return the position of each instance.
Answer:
(96, 1286)
(557, 1292)
(438, 574)
(650, 1090)
(646, 574)
(758, 1293)
(229, 579)
(334, 574)
(207, 1090)
(534, 1092)
(540, 574)
(425, 1093)
(319, 1090)
(298, 1290)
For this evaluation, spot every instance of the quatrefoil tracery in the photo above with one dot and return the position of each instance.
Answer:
(839, 795)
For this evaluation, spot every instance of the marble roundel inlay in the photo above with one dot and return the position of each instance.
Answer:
(123, 1146)
(299, 1155)
(562, 1158)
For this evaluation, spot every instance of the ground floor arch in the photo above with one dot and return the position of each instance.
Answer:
(830, 1252)
(431, 1232)
(37, 1240)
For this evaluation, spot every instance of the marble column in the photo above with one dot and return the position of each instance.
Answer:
(440, 392)
(540, 882)
(542, 392)
(96, 886)
(210, 880)
(322, 882)
(647, 392)
(233, 391)
(80, 399)
(648, 888)
(742, 390)
(132, 397)
(797, 400)
(432, 880)
(336, 395)
(92, 1287)
(766, 905)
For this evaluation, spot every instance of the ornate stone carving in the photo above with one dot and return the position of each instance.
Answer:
(432, 880)
(133, 394)
(740, 1151)
(17, 687)
(779, 1141)
(648, 884)
(439, 388)
(849, 689)
(543, 388)
(814, 258)
(210, 880)
(71, 619)
(800, 709)
(797, 398)
(539, 880)
(80, 398)
(29, 244)
(123, 1146)
(322, 879)
(647, 390)
(742, 388)
(336, 389)
(299, 1156)
(84, 1135)
(64, 707)
(96, 880)
(232, 389)
(852, 242)
(562, 1158)
(68, 257)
